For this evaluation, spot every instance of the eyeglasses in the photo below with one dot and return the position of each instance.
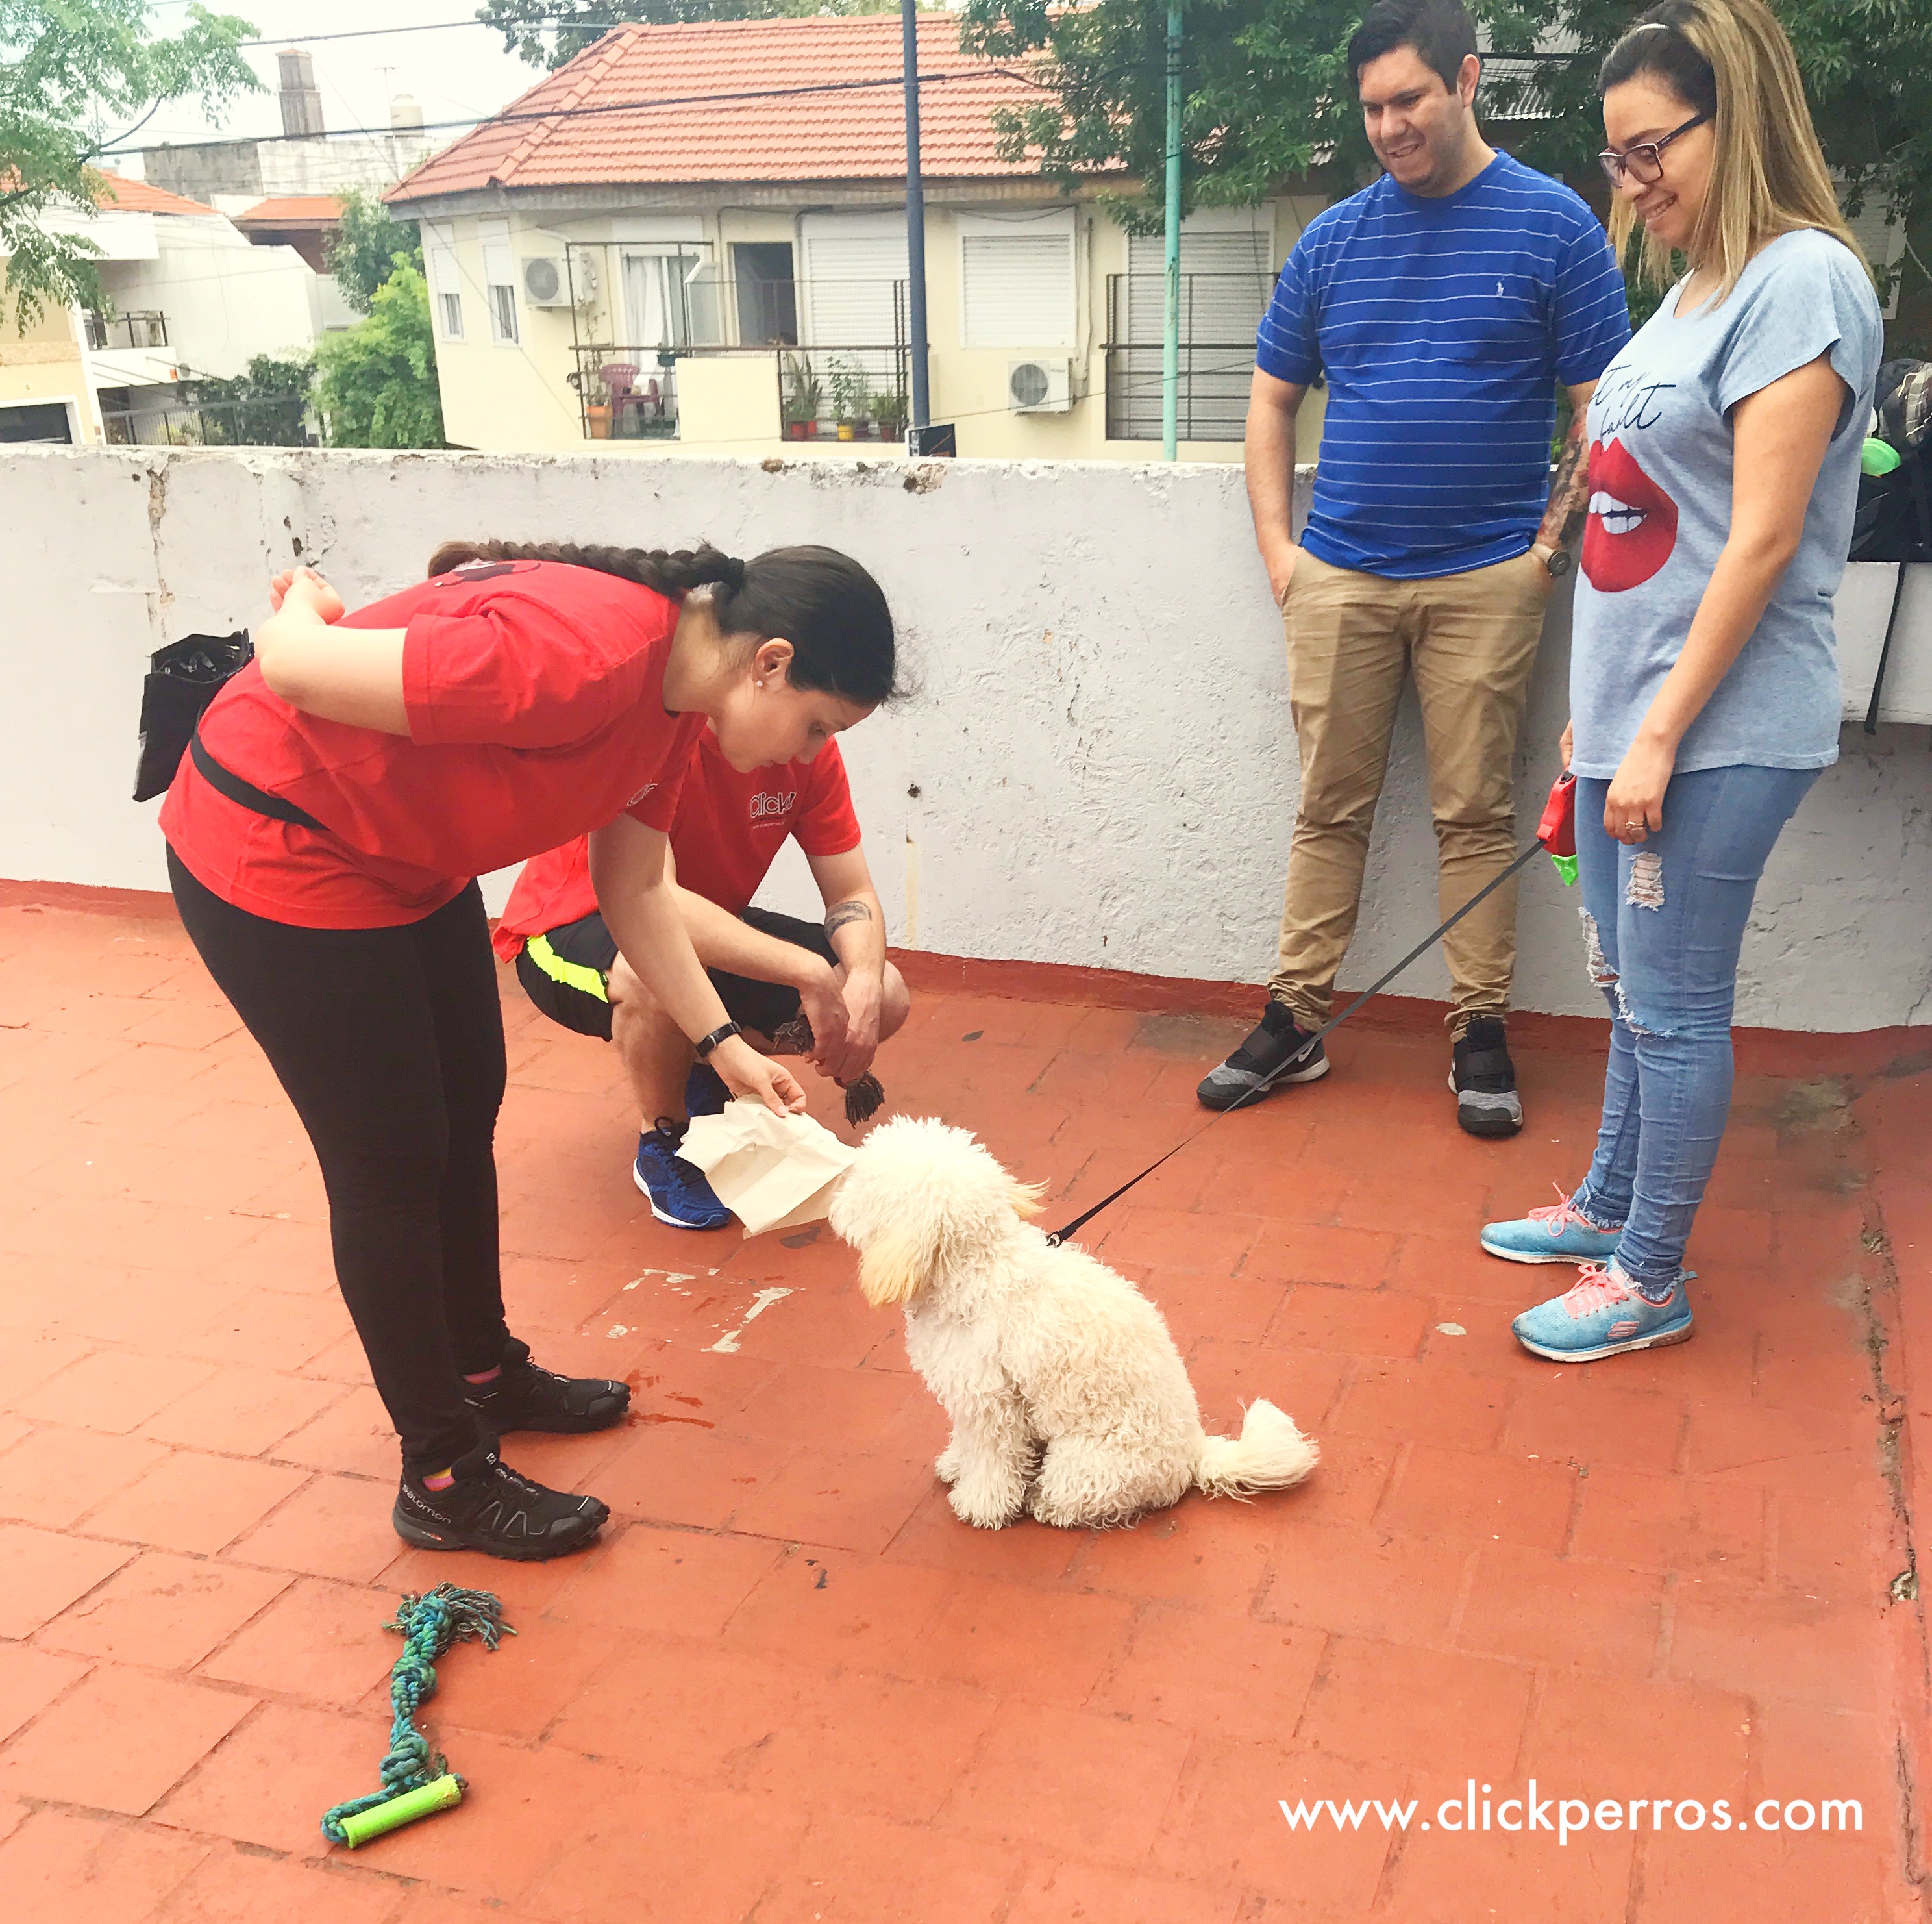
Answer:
(1644, 163)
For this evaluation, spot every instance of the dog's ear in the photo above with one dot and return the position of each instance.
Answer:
(1028, 1198)
(892, 1268)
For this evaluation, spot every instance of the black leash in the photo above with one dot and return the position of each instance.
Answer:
(1327, 1029)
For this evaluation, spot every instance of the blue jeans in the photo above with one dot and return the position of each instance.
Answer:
(1664, 922)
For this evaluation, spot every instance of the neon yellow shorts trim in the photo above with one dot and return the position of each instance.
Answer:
(593, 982)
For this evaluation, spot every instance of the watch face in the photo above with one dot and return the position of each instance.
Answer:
(1559, 563)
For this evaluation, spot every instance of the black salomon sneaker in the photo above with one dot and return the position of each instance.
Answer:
(527, 1396)
(489, 1507)
(1261, 1059)
(1484, 1080)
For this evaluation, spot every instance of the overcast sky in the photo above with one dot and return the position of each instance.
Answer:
(461, 73)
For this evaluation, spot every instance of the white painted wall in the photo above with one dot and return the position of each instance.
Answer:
(1099, 739)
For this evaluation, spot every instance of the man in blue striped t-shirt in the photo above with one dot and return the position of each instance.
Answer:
(1443, 305)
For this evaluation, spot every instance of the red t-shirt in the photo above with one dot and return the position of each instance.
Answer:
(535, 694)
(726, 834)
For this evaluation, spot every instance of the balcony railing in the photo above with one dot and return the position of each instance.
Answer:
(845, 393)
(132, 330)
(1218, 315)
(269, 421)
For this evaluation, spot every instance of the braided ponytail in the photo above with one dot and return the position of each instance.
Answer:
(823, 602)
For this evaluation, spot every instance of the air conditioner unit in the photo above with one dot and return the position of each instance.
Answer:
(1040, 387)
(551, 281)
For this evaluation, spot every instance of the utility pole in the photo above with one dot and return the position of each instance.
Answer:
(1170, 345)
(922, 436)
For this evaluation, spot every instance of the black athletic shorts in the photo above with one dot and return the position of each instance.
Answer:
(566, 972)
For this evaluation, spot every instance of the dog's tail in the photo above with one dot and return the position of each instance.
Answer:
(1270, 1454)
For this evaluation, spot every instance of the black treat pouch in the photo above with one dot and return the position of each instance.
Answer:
(182, 679)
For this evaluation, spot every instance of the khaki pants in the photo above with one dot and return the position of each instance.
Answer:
(1470, 641)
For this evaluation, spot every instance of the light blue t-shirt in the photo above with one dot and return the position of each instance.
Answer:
(1661, 461)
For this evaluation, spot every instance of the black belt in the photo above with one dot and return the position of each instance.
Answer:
(245, 793)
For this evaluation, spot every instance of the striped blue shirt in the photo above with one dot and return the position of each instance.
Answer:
(1443, 327)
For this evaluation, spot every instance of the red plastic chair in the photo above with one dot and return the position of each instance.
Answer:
(620, 378)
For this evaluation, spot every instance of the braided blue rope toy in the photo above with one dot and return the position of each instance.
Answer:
(417, 1782)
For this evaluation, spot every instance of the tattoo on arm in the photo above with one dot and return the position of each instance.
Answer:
(842, 913)
(1569, 493)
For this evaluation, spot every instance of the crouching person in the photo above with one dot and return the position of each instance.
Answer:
(769, 969)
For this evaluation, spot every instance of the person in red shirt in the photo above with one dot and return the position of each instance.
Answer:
(324, 830)
(768, 968)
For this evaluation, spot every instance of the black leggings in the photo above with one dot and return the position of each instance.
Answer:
(390, 1044)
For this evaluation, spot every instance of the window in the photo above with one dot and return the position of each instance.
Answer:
(445, 277)
(500, 281)
(1016, 279)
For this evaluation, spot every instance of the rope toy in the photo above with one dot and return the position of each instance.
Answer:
(417, 1782)
(864, 1098)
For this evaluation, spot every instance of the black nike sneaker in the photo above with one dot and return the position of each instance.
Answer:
(1484, 1080)
(489, 1507)
(527, 1396)
(1261, 1062)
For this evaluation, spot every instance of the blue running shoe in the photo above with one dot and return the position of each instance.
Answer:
(704, 1091)
(679, 1194)
(1554, 1233)
(1602, 1315)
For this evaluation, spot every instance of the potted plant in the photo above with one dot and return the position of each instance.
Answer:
(851, 395)
(889, 409)
(802, 395)
(596, 405)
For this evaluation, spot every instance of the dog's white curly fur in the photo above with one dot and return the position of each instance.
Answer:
(1068, 1398)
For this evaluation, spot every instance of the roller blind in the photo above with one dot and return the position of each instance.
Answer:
(1016, 283)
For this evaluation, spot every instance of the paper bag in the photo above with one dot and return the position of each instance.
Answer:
(771, 1172)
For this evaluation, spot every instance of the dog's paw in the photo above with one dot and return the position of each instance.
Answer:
(947, 1468)
(986, 1509)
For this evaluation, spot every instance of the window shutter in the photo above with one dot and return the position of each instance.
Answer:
(500, 277)
(1227, 277)
(445, 279)
(1016, 283)
(852, 272)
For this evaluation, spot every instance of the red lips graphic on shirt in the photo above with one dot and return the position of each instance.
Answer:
(1632, 524)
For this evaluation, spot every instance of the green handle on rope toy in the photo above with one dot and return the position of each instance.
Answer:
(1566, 868)
(443, 1794)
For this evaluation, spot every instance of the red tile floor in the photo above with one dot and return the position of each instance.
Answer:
(788, 1686)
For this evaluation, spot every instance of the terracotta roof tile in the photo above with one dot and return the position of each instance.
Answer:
(123, 196)
(293, 210)
(858, 134)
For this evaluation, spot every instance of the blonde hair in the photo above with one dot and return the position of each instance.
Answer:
(1730, 59)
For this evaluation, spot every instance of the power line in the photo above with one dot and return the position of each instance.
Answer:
(439, 26)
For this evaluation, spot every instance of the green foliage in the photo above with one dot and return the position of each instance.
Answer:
(369, 246)
(1267, 97)
(539, 30)
(377, 385)
(267, 402)
(76, 75)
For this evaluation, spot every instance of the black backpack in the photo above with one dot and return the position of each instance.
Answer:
(1893, 522)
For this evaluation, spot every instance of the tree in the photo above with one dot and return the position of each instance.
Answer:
(1266, 94)
(265, 406)
(377, 384)
(67, 71)
(368, 246)
(542, 31)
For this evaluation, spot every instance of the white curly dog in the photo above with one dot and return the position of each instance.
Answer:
(1068, 1398)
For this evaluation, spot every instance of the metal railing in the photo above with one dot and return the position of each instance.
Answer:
(148, 329)
(266, 422)
(845, 393)
(626, 394)
(1218, 315)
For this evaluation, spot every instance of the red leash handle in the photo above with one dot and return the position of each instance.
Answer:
(1557, 831)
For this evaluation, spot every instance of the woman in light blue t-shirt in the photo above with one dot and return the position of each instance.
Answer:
(1724, 444)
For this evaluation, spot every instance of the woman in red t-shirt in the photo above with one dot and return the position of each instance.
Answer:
(324, 833)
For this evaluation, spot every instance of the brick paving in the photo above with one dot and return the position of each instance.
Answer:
(788, 1688)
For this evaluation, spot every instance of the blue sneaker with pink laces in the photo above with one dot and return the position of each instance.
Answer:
(1558, 1232)
(1602, 1314)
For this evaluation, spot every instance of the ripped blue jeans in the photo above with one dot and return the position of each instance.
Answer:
(1663, 922)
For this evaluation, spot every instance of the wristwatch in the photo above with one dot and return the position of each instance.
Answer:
(723, 1032)
(1555, 560)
